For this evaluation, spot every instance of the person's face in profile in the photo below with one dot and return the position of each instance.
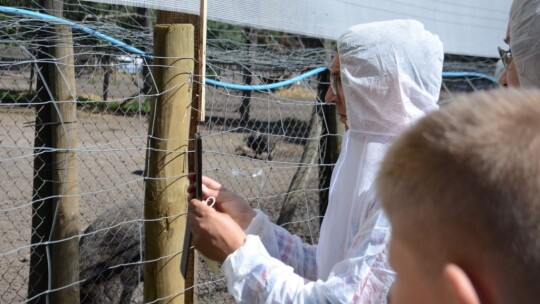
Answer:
(509, 76)
(335, 91)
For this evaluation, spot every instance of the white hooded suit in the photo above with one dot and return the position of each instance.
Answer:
(525, 41)
(391, 76)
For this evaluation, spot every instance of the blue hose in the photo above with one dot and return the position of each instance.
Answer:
(468, 74)
(232, 86)
(264, 87)
(131, 49)
(45, 17)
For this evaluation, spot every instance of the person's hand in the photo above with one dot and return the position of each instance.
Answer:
(226, 201)
(214, 234)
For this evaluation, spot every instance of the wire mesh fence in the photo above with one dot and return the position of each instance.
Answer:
(264, 144)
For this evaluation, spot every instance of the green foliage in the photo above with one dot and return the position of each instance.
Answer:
(18, 3)
(225, 31)
(15, 97)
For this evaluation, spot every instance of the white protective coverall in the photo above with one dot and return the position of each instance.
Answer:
(525, 41)
(391, 76)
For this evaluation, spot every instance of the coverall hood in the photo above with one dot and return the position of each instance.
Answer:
(391, 74)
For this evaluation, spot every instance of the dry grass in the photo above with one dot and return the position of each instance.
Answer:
(296, 92)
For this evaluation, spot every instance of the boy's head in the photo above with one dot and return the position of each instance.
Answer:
(461, 189)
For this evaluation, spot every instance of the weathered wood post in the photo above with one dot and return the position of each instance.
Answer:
(295, 194)
(167, 163)
(65, 226)
(197, 103)
(55, 207)
(251, 39)
(107, 70)
(41, 188)
(143, 20)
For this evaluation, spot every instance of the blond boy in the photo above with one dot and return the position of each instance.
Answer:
(461, 189)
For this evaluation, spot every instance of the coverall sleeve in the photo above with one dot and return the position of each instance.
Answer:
(284, 246)
(255, 276)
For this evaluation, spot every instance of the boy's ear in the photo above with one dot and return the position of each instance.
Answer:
(459, 285)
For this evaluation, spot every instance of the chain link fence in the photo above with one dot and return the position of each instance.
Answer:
(264, 144)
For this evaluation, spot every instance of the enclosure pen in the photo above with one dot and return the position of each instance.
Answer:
(99, 104)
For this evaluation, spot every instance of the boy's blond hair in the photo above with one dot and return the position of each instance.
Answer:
(465, 181)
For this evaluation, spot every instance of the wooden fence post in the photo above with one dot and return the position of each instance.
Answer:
(38, 281)
(167, 158)
(65, 227)
(166, 17)
(295, 194)
(106, 62)
(55, 207)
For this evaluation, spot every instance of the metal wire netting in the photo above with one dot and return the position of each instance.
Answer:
(265, 144)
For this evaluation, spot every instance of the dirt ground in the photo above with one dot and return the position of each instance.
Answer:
(112, 155)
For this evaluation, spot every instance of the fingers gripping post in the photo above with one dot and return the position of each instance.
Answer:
(210, 201)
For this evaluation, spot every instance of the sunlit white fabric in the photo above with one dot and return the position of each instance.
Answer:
(525, 40)
(466, 27)
(391, 76)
